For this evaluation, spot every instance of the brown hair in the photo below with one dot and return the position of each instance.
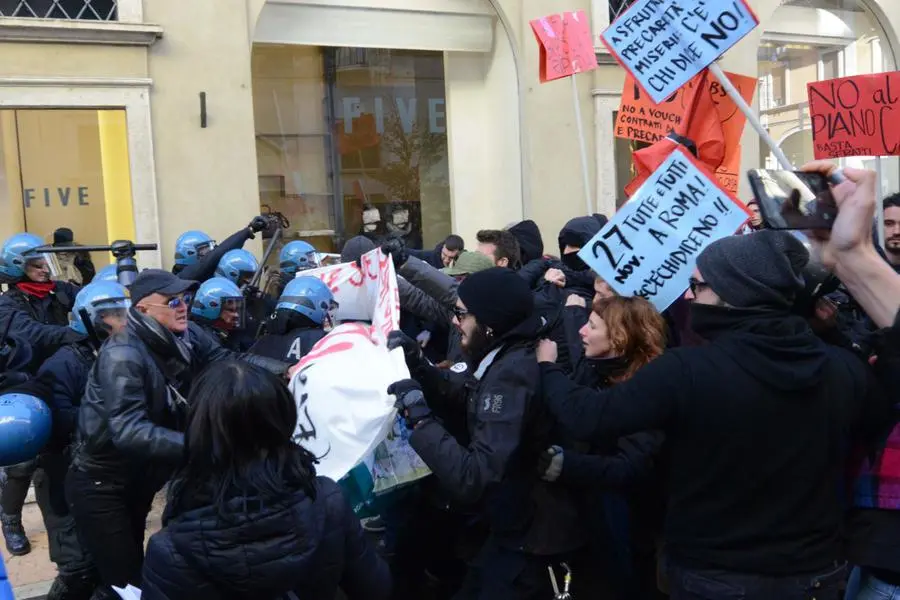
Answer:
(636, 331)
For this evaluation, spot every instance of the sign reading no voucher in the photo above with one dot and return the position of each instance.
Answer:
(665, 43)
(855, 116)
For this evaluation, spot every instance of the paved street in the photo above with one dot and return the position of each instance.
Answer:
(31, 575)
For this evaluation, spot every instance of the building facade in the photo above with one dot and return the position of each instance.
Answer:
(141, 119)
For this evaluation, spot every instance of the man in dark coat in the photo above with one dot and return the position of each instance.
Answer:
(531, 522)
(443, 255)
(765, 408)
(130, 425)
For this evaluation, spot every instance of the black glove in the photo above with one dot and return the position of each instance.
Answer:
(410, 402)
(259, 223)
(412, 351)
(396, 249)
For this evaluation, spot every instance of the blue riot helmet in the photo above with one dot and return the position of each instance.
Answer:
(191, 246)
(310, 297)
(219, 299)
(99, 300)
(109, 273)
(297, 256)
(19, 250)
(237, 265)
(25, 424)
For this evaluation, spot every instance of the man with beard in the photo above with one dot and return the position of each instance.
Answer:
(491, 463)
(892, 230)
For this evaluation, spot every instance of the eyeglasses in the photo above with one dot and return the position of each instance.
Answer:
(697, 286)
(176, 302)
(460, 313)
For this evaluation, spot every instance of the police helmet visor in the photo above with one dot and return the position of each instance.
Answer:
(330, 308)
(45, 262)
(205, 248)
(231, 313)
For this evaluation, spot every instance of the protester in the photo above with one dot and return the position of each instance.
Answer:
(500, 246)
(246, 515)
(444, 254)
(528, 236)
(530, 523)
(303, 315)
(130, 424)
(755, 222)
(781, 434)
(105, 307)
(892, 230)
(617, 482)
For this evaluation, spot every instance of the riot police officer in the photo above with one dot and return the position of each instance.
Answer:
(101, 309)
(197, 254)
(239, 266)
(295, 257)
(34, 308)
(303, 314)
(218, 307)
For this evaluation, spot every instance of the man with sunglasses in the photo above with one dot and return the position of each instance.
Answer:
(130, 425)
(757, 421)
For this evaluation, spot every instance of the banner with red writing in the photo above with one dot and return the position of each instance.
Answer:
(566, 45)
(346, 417)
(856, 116)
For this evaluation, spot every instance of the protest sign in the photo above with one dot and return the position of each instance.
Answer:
(663, 44)
(650, 247)
(566, 45)
(854, 116)
(346, 418)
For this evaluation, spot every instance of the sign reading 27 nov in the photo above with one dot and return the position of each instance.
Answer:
(665, 43)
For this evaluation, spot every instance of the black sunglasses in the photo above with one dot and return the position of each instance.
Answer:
(697, 286)
(460, 313)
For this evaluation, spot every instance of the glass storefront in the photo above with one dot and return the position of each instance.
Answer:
(66, 168)
(352, 140)
(814, 40)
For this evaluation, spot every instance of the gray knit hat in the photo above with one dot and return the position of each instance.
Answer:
(759, 270)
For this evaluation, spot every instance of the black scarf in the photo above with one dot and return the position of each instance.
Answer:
(710, 321)
(171, 353)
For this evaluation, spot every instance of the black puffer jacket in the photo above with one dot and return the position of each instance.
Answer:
(294, 548)
(134, 407)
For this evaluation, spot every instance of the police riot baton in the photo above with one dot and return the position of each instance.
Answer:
(89, 327)
(254, 282)
(122, 250)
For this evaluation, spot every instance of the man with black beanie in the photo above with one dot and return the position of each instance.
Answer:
(531, 523)
(757, 422)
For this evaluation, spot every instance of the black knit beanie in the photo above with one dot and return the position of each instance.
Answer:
(355, 248)
(498, 298)
(759, 270)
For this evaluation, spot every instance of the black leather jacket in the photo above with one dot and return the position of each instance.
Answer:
(134, 408)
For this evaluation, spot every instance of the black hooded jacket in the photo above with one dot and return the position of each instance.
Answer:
(531, 246)
(757, 423)
(296, 547)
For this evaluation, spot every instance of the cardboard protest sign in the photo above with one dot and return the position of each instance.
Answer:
(663, 44)
(566, 45)
(856, 116)
(346, 417)
(650, 247)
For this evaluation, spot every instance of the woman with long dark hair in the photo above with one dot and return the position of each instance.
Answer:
(621, 502)
(246, 516)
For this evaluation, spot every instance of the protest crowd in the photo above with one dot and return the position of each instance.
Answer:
(692, 398)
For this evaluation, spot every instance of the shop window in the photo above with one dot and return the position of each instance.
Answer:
(811, 40)
(66, 168)
(88, 10)
(351, 131)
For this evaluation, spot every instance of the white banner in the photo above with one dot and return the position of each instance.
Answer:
(341, 385)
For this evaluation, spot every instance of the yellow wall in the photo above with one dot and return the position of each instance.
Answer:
(76, 60)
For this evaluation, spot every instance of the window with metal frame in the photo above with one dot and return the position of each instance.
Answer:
(82, 10)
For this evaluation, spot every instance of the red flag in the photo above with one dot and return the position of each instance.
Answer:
(700, 128)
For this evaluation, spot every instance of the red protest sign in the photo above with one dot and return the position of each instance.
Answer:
(854, 116)
(641, 119)
(566, 45)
